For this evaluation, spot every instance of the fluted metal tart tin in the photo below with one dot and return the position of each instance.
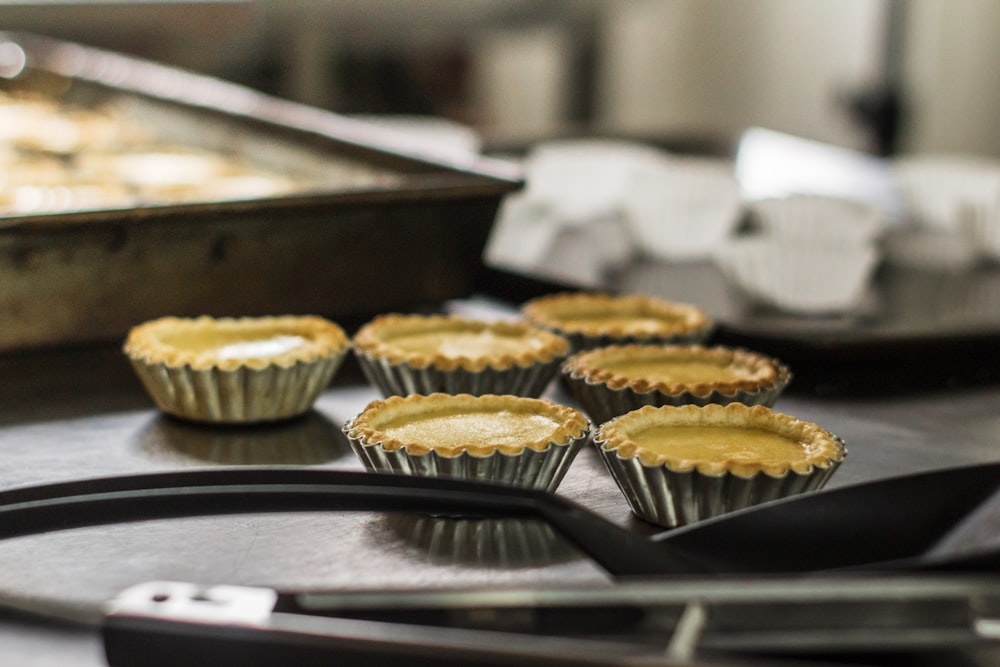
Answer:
(447, 369)
(549, 312)
(667, 497)
(541, 469)
(581, 341)
(238, 395)
(604, 399)
(401, 379)
(199, 385)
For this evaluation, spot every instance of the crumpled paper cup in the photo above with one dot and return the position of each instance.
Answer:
(601, 202)
(806, 279)
(684, 208)
(937, 188)
(583, 179)
(818, 219)
(981, 226)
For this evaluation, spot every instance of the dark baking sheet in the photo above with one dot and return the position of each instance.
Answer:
(344, 251)
(915, 330)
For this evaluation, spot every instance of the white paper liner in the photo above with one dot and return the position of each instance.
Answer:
(240, 395)
(590, 206)
(402, 379)
(542, 470)
(981, 225)
(799, 278)
(684, 208)
(602, 403)
(586, 178)
(936, 188)
(669, 498)
(820, 220)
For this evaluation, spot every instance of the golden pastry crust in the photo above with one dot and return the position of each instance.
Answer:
(230, 343)
(675, 369)
(725, 450)
(449, 342)
(449, 425)
(617, 316)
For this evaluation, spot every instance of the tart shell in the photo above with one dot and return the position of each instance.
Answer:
(604, 393)
(592, 320)
(672, 492)
(396, 370)
(537, 464)
(194, 382)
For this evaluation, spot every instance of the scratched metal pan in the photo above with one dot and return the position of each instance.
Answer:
(375, 220)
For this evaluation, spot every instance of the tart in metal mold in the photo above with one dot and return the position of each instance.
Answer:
(465, 443)
(596, 319)
(236, 370)
(426, 354)
(612, 380)
(670, 491)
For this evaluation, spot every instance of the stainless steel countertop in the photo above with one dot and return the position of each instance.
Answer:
(72, 414)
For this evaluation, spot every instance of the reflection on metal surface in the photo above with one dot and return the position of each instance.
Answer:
(480, 543)
(310, 440)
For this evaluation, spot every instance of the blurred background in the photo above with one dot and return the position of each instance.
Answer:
(884, 76)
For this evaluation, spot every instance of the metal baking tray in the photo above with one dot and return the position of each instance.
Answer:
(920, 330)
(385, 222)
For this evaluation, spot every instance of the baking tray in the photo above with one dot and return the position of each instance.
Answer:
(916, 330)
(409, 230)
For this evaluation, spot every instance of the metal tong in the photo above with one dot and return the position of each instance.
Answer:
(790, 576)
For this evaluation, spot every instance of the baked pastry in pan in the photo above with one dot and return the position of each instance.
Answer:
(596, 319)
(675, 465)
(505, 439)
(236, 370)
(610, 381)
(425, 354)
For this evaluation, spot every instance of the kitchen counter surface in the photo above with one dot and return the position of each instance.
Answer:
(72, 414)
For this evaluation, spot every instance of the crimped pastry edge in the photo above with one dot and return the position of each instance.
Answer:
(769, 372)
(613, 436)
(363, 428)
(370, 341)
(543, 311)
(143, 345)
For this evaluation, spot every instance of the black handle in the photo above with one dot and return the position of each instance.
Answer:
(110, 500)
